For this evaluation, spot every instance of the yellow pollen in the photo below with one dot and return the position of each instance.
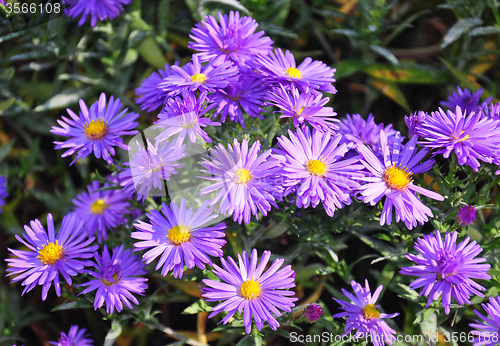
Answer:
(461, 139)
(109, 283)
(98, 207)
(316, 167)
(250, 289)
(370, 312)
(243, 176)
(179, 234)
(50, 253)
(300, 110)
(292, 72)
(96, 129)
(397, 178)
(198, 78)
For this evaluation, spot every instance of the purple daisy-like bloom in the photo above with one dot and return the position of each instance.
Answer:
(414, 121)
(117, 279)
(304, 107)
(279, 68)
(180, 237)
(447, 268)
(313, 167)
(150, 167)
(97, 9)
(363, 315)
(101, 210)
(193, 76)
(51, 254)
(391, 176)
(234, 38)
(74, 337)
(466, 100)
(151, 97)
(471, 137)
(488, 330)
(247, 94)
(466, 215)
(244, 179)
(313, 312)
(490, 110)
(357, 130)
(246, 288)
(96, 130)
(3, 191)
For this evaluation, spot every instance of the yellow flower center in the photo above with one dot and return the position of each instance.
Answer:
(95, 130)
(316, 167)
(300, 110)
(396, 178)
(50, 253)
(466, 137)
(98, 207)
(292, 72)
(109, 283)
(370, 312)
(243, 176)
(250, 289)
(179, 234)
(198, 78)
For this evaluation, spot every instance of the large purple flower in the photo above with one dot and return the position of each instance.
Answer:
(357, 130)
(97, 9)
(244, 179)
(3, 191)
(96, 130)
(312, 166)
(51, 254)
(117, 277)
(488, 330)
(151, 96)
(391, 176)
(250, 290)
(75, 337)
(234, 38)
(180, 237)
(466, 100)
(363, 315)
(447, 268)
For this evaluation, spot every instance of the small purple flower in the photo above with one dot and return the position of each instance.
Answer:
(312, 167)
(51, 254)
(364, 316)
(390, 176)
(466, 100)
(75, 337)
(447, 269)
(414, 121)
(3, 191)
(471, 137)
(246, 288)
(117, 277)
(488, 330)
(355, 129)
(180, 237)
(279, 68)
(101, 210)
(313, 312)
(467, 215)
(96, 130)
(234, 38)
(244, 179)
(491, 110)
(97, 9)
(151, 96)
(304, 107)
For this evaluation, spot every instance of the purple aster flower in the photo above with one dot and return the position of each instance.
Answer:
(488, 330)
(355, 129)
(193, 76)
(313, 312)
(151, 96)
(279, 68)
(391, 176)
(466, 100)
(467, 215)
(364, 316)
(471, 137)
(313, 167)
(3, 191)
(304, 107)
(97, 9)
(244, 179)
(447, 268)
(150, 167)
(247, 94)
(96, 130)
(117, 277)
(414, 121)
(180, 237)
(490, 110)
(234, 38)
(101, 210)
(51, 254)
(246, 288)
(75, 337)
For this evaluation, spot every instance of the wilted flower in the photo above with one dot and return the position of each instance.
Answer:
(312, 312)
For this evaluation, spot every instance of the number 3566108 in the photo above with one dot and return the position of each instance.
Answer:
(33, 8)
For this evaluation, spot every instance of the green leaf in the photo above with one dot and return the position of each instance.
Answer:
(226, 3)
(73, 305)
(151, 53)
(275, 230)
(348, 67)
(458, 29)
(484, 30)
(6, 104)
(384, 52)
(246, 341)
(393, 92)
(382, 247)
(406, 74)
(65, 99)
(429, 327)
(424, 315)
(199, 306)
(406, 292)
(113, 333)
